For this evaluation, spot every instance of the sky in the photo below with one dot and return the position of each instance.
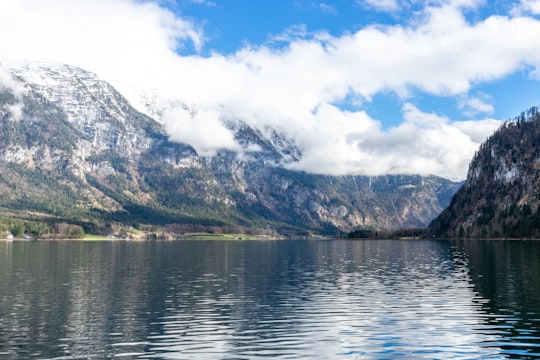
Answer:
(365, 87)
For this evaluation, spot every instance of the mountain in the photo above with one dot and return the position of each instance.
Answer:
(501, 195)
(73, 149)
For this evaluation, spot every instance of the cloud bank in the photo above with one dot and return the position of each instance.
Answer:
(296, 86)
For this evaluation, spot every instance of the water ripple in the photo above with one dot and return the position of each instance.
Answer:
(279, 300)
(427, 310)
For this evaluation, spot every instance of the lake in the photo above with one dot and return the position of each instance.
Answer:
(289, 299)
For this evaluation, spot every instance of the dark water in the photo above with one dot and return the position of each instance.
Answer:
(334, 299)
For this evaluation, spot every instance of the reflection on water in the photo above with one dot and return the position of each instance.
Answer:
(508, 274)
(269, 299)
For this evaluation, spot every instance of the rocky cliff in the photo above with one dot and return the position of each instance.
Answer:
(501, 196)
(72, 147)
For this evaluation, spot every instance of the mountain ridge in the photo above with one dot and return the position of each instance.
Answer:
(83, 153)
(501, 195)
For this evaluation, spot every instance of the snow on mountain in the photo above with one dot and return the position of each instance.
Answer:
(90, 104)
(96, 151)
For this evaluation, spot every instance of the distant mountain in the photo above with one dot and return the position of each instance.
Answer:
(501, 196)
(73, 149)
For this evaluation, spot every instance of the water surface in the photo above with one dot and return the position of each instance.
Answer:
(336, 299)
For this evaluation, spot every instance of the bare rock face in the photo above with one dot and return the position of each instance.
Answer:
(72, 146)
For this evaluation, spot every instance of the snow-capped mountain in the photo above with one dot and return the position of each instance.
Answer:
(91, 105)
(83, 152)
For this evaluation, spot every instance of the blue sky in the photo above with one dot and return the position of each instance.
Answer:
(358, 86)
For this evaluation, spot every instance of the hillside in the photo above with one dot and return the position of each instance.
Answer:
(501, 195)
(73, 149)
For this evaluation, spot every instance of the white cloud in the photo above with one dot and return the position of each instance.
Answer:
(107, 35)
(292, 87)
(16, 111)
(11, 85)
(424, 143)
(327, 8)
(527, 7)
(7, 82)
(479, 104)
(202, 128)
(479, 130)
(205, 2)
(381, 5)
